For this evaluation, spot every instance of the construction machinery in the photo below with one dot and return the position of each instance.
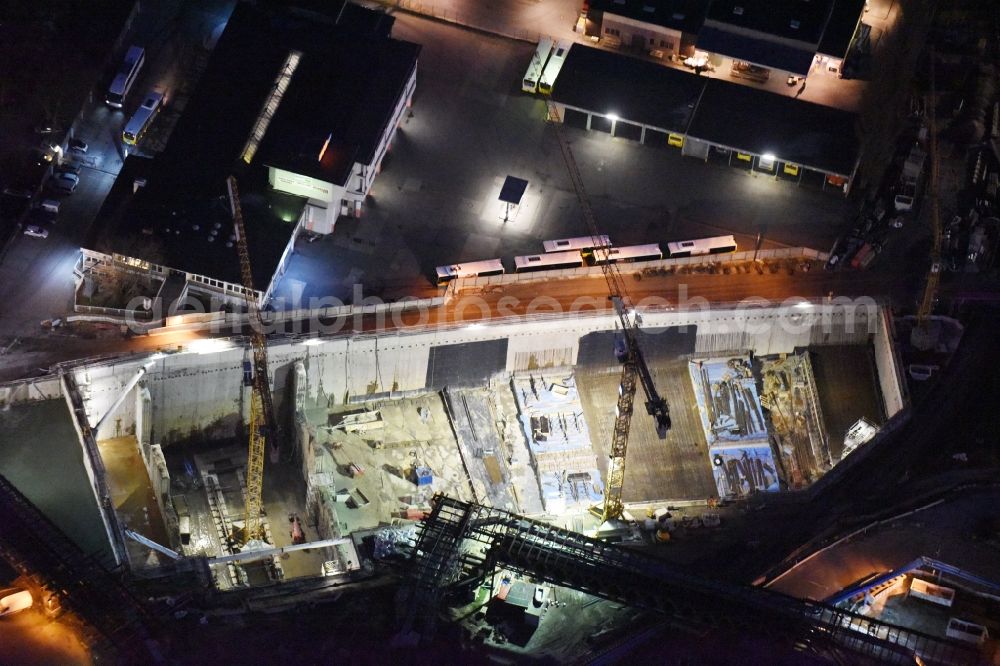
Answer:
(263, 426)
(922, 336)
(634, 368)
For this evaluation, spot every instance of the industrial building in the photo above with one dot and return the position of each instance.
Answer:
(318, 101)
(708, 118)
(789, 37)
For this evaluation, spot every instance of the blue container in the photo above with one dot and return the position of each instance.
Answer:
(424, 476)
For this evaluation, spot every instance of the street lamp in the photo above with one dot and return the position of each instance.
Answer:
(760, 239)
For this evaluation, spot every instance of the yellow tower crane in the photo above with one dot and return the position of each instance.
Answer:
(634, 368)
(263, 426)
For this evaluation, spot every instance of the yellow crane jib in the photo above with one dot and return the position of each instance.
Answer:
(634, 367)
(263, 426)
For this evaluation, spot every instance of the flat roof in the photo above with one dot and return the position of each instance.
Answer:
(760, 122)
(172, 230)
(683, 15)
(800, 20)
(635, 90)
(754, 50)
(345, 88)
(840, 28)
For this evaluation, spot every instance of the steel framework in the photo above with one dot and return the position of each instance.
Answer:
(461, 543)
(37, 548)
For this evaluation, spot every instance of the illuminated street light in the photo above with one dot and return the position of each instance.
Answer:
(613, 117)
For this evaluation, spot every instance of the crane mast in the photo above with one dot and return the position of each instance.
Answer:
(634, 368)
(263, 426)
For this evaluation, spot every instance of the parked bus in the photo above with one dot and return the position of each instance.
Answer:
(691, 248)
(140, 121)
(548, 261)
(537, 65)
(630, 253)
(470, 269)
(126, 76)
(553, 66)
(579, 243)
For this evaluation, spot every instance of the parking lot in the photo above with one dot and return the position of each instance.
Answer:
(435, 201)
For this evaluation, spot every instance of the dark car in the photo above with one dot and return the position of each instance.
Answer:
(78, 146)
(65, 182)
(45, 129)
(69, 167)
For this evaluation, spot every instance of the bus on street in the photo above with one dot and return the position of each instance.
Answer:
(553, 67)
(142, 118)
(537, 65)
(691, 248)
(126, 76)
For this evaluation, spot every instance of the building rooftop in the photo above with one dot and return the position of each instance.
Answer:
(840, 28)
(341, 94)
(799, 20)
(751, 49)
(683, 15)
(761, 122)
(635, 90)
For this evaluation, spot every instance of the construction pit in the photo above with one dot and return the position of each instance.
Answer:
(516, 415)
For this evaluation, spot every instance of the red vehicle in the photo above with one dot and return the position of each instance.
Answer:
(298, 534)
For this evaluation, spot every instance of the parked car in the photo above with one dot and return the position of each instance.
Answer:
(69, 167)
(921, 372)
(18, 192)
(45, 129)
(49, 206)
(78, 146)
(65, 182)
(35, 231)
(14, 600)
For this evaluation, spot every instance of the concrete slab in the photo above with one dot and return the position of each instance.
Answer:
(386, 457)
(847, 384)
(132, 495)
(677, 467)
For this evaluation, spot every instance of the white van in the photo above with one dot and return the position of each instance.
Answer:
(14, 600)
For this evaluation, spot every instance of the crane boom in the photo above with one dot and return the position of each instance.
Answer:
(934, 273)
(263, 426)
(634, 367)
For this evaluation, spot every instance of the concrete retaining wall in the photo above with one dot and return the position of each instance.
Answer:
(892, 383)
(29, 390)
(202, 395)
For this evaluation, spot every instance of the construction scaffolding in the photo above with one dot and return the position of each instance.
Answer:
(461, 544)
(790, 396)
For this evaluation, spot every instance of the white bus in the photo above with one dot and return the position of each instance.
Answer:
(629, 253)
(136, 127)
(470, 269)
(548, 262)
(530, 83)
(553, 66)
(714, 245)
(578, 243)
(126, 76)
